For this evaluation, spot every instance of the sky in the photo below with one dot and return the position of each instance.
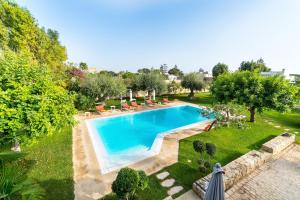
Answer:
(131, 34)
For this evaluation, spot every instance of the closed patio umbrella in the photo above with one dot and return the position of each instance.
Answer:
(215, 190)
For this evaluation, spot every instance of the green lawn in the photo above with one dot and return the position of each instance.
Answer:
(231, 143)
(52, 156)
(51, 160)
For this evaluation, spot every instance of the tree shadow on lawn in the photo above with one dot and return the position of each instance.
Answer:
(58, 189)
(258, 144)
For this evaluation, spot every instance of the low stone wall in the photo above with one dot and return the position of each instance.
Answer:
(246, 164)
(278, 144)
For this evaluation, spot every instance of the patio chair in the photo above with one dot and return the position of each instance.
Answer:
(100, 108)
(134, 104)
(149, 103)
(126, 107)
(166, 100)
(209, 126)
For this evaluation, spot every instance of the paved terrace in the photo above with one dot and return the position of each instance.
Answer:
(276, 179)
(90, 183)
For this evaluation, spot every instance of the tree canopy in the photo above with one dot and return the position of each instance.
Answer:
(101, 86)
(20, 32)
(219, 69)
(193, 81)
(149, 82)
(176, 71)
(258, 65)
(254, 91)
(32, 103)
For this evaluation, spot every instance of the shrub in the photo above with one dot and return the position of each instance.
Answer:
(210, 149)
(143, 180)
(128, 181)
(199, 146)
(32, 104)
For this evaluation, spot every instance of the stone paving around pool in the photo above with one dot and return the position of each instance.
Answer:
(91, 184)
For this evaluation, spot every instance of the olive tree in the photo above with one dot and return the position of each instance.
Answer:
(254, 91)
(149, 82)
(193, 81)
(101, 86)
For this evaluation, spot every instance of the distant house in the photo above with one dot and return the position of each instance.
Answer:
(172, 77)
(92, 70)
(273, 73)
(292, 78)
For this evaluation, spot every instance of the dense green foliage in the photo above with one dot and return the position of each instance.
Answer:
(174, 87)
(127, 183)
(193, 81)
(176, 71)
(32, 104)
(14, 183)
(250, 89)
(102, 86)
(149, 82)
(258, 65)
(20, 32)
(219, 69)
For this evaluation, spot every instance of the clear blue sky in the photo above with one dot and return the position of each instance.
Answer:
(130, 34)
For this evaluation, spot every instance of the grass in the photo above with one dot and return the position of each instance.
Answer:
(51, 157)
(231, 143)
(52, 167)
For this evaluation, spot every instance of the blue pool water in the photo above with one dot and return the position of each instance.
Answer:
(124, 137)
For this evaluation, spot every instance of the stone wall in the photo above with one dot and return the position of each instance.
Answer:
(246, 164)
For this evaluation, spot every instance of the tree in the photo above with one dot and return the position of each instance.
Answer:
(193, 81)
(20, 32)
(174, 87)
(199, 146)
(128, 181)
(32, 104)
(14, 183)
(149, 82)
(83, 66)
(164, 68)
(258, 65)
(101, 86)
(254, 91)
(176, 71)
(210, 149)
(219, 69)
(144, 71)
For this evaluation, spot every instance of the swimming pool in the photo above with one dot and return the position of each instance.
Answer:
(122, 140)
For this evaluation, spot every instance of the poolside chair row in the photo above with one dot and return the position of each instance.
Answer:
(133, 105)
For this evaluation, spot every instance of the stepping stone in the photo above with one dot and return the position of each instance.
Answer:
(277, 126)
(162, 175)
(286, 129)
(168, 182)
(296, 132)
(174, 190)
(168, 198)
(189, 161)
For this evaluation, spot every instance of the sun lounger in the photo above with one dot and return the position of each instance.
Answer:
(134, 104)
(209, 126)
(166, 100)
(150, 103)
(100, 108)
(125, 106)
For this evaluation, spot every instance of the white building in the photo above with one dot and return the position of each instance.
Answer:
(273, 73)
(172, 77)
